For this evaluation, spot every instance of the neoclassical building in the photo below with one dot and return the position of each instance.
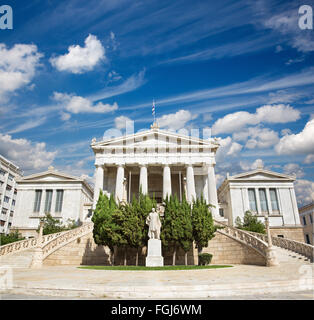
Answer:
(62, 195)
(262, 192)
(159, 163)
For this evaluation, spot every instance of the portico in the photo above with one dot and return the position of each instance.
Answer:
(159, 163)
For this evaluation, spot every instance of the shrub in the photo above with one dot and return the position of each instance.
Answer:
(52, 225)
(11, 237)
(250, 223)
(204, 259)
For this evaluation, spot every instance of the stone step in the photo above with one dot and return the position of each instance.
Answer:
(21, 259)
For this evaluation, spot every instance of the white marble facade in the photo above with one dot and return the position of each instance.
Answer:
(158, 162)
(263, 193)
(63, 196)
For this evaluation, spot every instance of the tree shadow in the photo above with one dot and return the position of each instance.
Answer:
(98, 255)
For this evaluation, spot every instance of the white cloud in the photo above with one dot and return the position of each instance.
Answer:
(301, 143)
(246, 166)
(257, 137)
(120, 122)
(227, 148)
(28, 125)
(304, 190)
(309, 159)
(293, 169)
(233, 122)
(28, 155)
(81, 59)
(17, 67)
(76, 104)
(175, 121)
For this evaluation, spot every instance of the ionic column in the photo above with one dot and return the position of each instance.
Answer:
(205, 188)
(258, 205)
(143, 179)
(270, 209)
(190, 184)
(212, 191)
(119, 183)
(99, 183)
(166, 190)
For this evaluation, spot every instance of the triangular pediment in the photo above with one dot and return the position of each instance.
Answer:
(154, 138)
(261, 174)
(50, 176)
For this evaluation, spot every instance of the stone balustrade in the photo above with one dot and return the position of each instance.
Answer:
(248, 239)
(302, 248)
(48, 242)
(65, 238)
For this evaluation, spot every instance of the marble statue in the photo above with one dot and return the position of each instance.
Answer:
(153, 221)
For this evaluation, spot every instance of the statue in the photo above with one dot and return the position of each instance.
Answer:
(153, 221)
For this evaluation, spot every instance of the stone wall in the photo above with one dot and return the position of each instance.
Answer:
(292, 233)
(225, 250)
(84, 251)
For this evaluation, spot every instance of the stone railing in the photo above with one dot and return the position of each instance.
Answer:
(65, 238)
(244, 237)
(302, 248)
(27, 244)
(49, 239)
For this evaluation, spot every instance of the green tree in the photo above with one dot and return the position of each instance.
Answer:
(52, 225)
(106, 230)
(186, 239)
(171, 230)
(250, 223)
(203, 224)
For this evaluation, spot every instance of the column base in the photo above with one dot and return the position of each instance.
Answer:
(271, 257)
(37, 261)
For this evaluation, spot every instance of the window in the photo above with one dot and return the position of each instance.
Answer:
(48, 201)
(307, 237)
(274, 199)
(9, 187)
(6, 199)
(4, 211)
(221, 212)
(252, 200)
(13, 202)
(37, 200)
(304, 221)
(59, 201)
(11, 213)
(263, 200)
(2, 172)
(2, 223)
(280, 236)
(311, 219)
(10, 177)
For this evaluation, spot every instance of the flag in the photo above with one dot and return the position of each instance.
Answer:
(153, 108)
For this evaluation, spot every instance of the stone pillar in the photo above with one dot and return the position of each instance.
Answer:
(258, 202)
(53, 202)
(143, 185)
(205, 188)
(37, 260)
(190, 184)
(270, 209)
(212, 191)
(119, 183)
(166, 190)
(271, 258)
(99, 183)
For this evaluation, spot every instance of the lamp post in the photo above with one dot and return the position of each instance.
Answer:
(271, 254)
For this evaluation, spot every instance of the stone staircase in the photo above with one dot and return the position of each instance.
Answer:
(19, 259)
(288, 256)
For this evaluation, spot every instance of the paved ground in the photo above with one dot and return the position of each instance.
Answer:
(300, 295)
(292, 279)
(240, 280)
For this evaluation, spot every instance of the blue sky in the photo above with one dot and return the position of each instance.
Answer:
(70, 70)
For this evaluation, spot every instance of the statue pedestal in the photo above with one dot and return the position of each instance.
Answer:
(154, 257)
